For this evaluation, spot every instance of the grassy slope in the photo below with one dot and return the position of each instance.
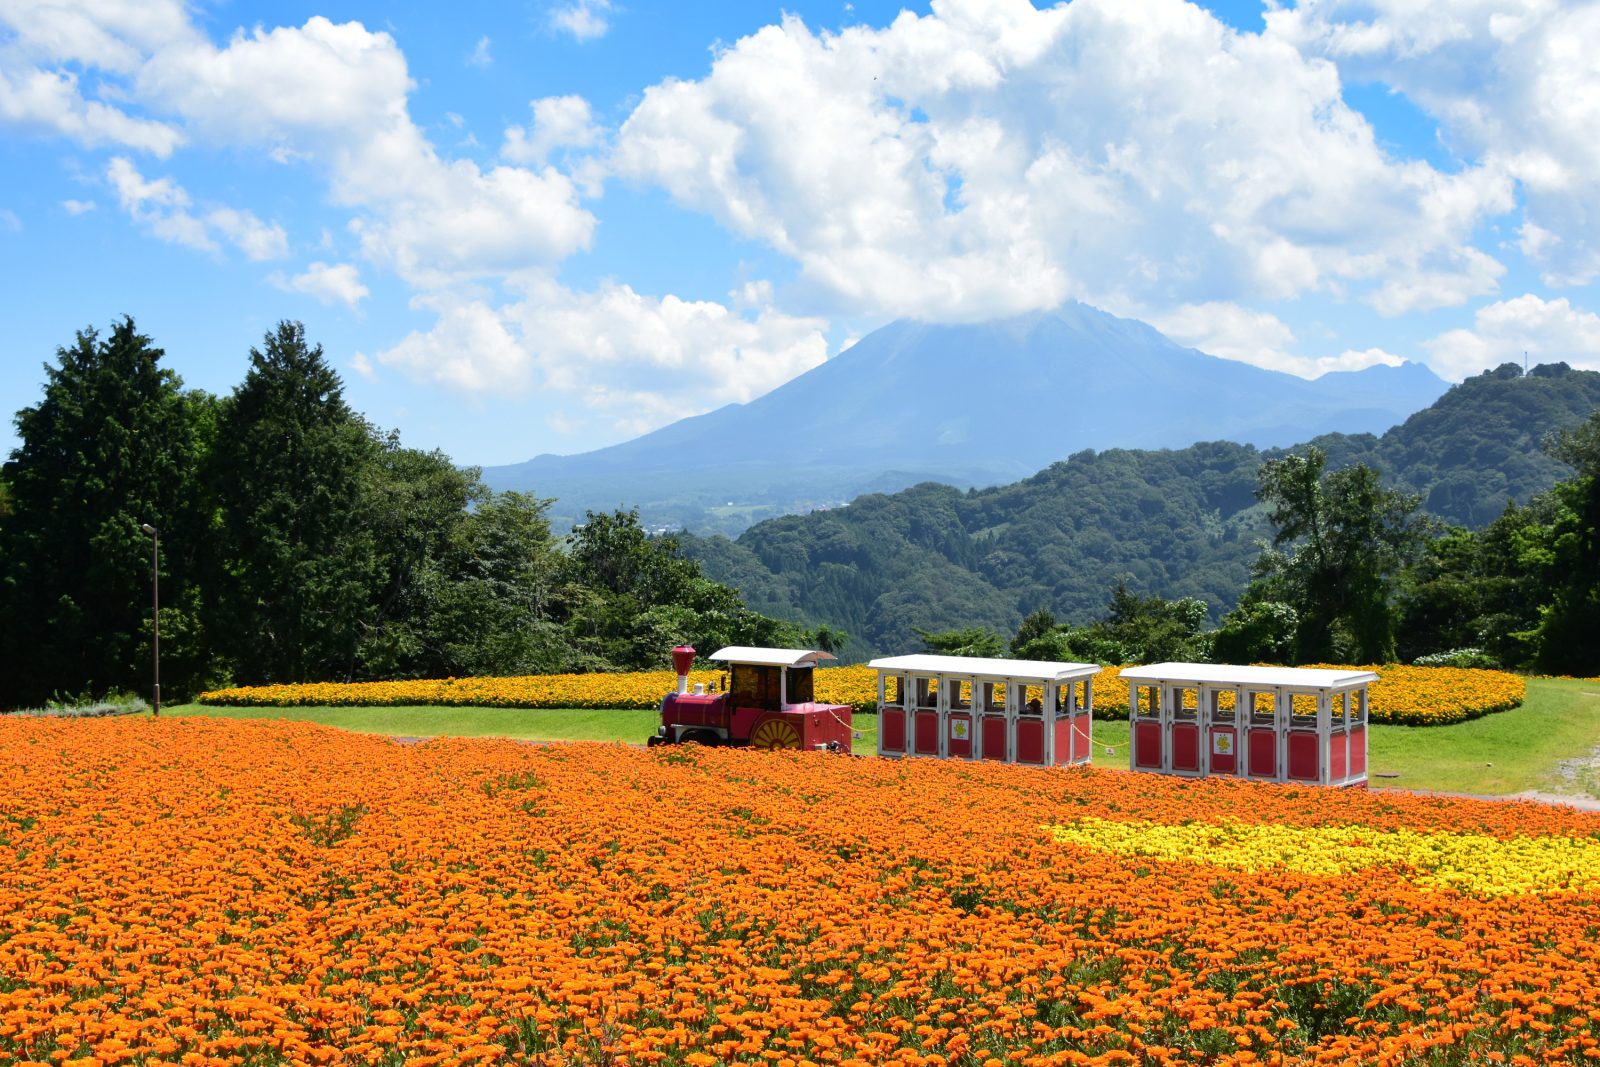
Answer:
(1559, 721)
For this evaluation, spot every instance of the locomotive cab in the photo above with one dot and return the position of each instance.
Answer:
(769, 703)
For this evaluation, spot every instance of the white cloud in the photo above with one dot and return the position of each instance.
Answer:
(163, 208)
(558, 122)
(329, 283)
(50, 100)
(336, 95)
(9, 220)
(586, 20)
(1513, 83)
(1258, 338)
(78, 207)
(991, 158)
(1547, 330)
(480, 56)
(634, 361)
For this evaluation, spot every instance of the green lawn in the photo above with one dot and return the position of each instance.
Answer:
(1506, 753)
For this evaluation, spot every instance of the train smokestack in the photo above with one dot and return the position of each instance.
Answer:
(682, 660)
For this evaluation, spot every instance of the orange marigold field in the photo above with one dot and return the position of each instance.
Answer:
(201, 892)
(1417, 696)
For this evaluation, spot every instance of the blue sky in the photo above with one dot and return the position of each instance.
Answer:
(551, 226)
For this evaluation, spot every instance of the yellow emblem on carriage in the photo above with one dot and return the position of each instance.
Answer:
(1222, 744)
(775, 733)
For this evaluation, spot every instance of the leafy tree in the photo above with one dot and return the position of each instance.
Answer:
(1257, 631)
(1035, 625)
(1568, 634)
(298, 574)
(114, 444)
(978, 641)
(1341, 541)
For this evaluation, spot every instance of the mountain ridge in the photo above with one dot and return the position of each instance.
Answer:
(970, 405)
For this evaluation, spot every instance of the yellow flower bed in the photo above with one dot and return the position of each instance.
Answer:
(1410, 695)
(1403, 695)
(1465, 862)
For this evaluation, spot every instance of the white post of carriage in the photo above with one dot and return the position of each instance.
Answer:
(955, 707)
(1274, 724)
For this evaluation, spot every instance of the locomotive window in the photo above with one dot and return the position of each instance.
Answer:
(799, 685)
(755, 687)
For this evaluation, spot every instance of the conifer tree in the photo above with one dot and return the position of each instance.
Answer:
(298, 573)
(114, 444)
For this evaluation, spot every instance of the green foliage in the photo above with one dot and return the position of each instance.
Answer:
(1257, 631)
(1568, 634)
(1341, 541)
(297, 559)
(973, 641)
(113, 444)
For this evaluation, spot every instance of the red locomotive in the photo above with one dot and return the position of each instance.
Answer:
(767, 704)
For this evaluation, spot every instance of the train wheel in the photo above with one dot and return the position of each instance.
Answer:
(775, 733)
(700, 737)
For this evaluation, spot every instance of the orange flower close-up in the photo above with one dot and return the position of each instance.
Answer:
(197, 891)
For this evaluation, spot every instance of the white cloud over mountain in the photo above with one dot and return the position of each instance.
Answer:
(981, 160)
(991, 158)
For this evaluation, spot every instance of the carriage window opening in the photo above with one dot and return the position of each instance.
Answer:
(927, 693)
(994, 696)
(1262, 707)
(756, 687)
(1221, 705)
(1337, 704)
(1185, 704)
(1148, 698)
(960, 694)
(1303, 707)
(799, 685)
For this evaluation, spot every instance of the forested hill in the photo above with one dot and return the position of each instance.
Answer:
(1180, 522)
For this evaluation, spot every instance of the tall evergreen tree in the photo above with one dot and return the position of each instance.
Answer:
(298, 571)
(113, 445)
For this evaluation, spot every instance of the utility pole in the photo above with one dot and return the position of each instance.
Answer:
(155, 614)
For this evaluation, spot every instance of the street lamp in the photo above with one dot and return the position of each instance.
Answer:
(155, 611)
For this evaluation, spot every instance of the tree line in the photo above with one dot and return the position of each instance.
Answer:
(1358, 573)
(298, 542)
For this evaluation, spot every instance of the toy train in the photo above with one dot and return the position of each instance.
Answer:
(768, 703)
(1276, 724)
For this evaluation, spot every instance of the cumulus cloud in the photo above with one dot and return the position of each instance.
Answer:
(329, 283)
(50, 100)
(164, 209)
(480, 56)
(676, 357)
(1548, 331)
(586, 20)
(1513, 84)
(336, 95)
(1259, 338)
(991, 158)
(558, 122)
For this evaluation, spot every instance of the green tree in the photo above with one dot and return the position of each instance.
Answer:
(1568, 633)
(978, 641)
(298, 567)
(1341, 540)
(113, 444)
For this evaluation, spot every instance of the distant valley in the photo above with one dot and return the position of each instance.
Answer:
(976, 405)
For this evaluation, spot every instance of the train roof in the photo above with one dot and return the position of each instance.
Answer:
(1031, 670)
(770, 657)
(1231, 674)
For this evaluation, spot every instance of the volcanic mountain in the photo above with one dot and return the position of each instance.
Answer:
(970, 405)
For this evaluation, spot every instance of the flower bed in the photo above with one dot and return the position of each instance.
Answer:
(209, 892)
(1411, 695)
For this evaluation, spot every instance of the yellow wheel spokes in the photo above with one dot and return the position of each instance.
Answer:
(775, 733)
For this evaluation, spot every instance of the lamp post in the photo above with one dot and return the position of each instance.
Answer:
(155, 612)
